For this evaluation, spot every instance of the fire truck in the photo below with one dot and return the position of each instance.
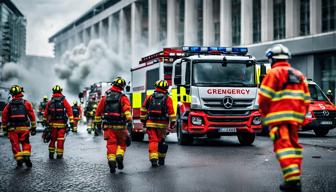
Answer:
(214, 91)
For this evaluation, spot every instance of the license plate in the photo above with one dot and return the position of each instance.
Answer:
(326, 123)
(227, 130)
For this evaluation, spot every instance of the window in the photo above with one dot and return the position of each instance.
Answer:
(279, 19)
(256, 21)
(304, 17)
(181, 23)
(235, 16)
(328, 15)
(316, 94)
(163, 21)
(328, 71)
(152, 76)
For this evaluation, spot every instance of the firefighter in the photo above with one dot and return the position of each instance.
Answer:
(113, 114)
(77, 113)
(90, 118)
(283, 101)
(42, 107)
(17, 116)
(56, 115)
(330, 96)
(156, 113)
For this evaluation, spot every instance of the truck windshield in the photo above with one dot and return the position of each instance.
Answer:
(217, 74)
(316, 93)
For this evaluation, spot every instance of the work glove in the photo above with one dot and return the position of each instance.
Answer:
(33, 131)
(274, 133)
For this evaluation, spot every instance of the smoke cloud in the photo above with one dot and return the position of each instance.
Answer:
(83, 66)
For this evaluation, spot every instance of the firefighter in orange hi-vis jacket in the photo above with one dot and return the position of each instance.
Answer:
(157, 114)
(113, 114)
(283, 101)
(56, 115)
(18, 120)
(77, 113)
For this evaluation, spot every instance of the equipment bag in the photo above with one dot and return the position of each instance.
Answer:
(157, 107)
(18, 113)
(56, 109)
(75, 111)
(112, 110)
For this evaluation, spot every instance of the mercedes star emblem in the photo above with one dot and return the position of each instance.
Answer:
(325, 113)
(228, 102)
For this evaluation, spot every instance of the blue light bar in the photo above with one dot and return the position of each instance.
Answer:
(224, 50)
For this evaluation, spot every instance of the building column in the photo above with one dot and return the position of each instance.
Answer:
(101, 30)
(153, 22)
(246, 24)
(208, 24)
(172, 22)
(122, 32)
(225, 23)
(292, 18)
(109, 31)
(266, 20)
(190, 23)
(86, 36)
(92, 32)
(315, 16)
(136, 21)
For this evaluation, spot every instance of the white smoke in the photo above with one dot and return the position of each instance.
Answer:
(83, 66)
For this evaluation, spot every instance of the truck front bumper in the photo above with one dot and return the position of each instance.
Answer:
(200, 123)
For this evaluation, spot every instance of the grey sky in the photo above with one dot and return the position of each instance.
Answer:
(46, 17)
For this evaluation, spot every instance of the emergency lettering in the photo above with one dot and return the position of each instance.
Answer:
(228, 91)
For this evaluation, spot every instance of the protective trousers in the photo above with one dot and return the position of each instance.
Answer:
(288, 151)
(115, 142)
(57, 134)
(156, 147)
(75, 123)
(90, 124)
(20, 137)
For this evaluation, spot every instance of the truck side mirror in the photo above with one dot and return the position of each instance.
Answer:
(128, 88)
(177, 80)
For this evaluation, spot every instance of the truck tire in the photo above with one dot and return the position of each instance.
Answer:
(246, 138)
(137, 136)
(182, 139)
(321, 132)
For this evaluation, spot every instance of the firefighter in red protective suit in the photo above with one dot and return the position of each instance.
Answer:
(283, 101)
(113, 114)
(77, 113)
(42, 107)
(17, 116)
(156, 113)
(56, 115)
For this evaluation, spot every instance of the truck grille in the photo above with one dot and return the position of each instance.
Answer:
(228, 113)
(220, 120)
(218, 103)
(321, 114)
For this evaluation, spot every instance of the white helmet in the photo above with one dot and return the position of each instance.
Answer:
(278, 51)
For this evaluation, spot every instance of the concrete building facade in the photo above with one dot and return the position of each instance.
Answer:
(306, 27)
(12, 33)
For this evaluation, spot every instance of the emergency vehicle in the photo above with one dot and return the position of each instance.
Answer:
(322, 112)
(214, 91)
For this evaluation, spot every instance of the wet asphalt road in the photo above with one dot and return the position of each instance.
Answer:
(209, 165)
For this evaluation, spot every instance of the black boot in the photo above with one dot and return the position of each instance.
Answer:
(161, 161)
(51, 155)
(27, 161)
(154, 162)
(120, 161)
(291, 186)
(59, 156)
(19, 163)
(112, 165)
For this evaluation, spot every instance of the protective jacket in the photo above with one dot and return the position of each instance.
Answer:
(284, 95)
(17, 114)
(57, 111)
(157, 110)
(114, 109)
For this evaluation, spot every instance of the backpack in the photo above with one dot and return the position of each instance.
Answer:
(75, 111)
(18, 113)
(157, 107)
(56, 109)
(112, 110)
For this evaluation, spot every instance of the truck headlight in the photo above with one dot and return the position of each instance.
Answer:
(197, 120)
(309, 115)
(256, 120)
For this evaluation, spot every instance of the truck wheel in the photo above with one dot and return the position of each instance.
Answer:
(246, 138)
(138, 136)
(321, 132)
(182, 139)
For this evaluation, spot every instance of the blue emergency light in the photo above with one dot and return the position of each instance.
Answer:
(227, 50)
